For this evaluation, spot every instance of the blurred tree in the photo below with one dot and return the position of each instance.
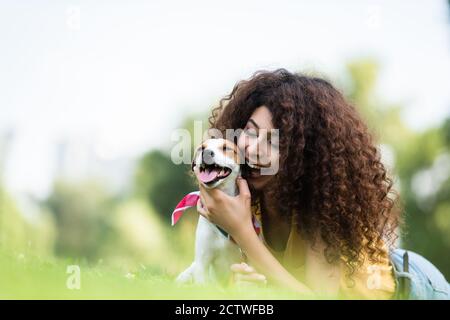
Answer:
(81, 212)
(162, 182)
(383, 119)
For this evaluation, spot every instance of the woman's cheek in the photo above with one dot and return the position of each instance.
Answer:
(241, 142)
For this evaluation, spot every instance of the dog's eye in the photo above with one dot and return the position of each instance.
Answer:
(225, 149)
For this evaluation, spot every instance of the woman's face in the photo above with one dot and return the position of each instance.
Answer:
(259, 144)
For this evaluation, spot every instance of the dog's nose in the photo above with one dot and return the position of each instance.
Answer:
(208, 156)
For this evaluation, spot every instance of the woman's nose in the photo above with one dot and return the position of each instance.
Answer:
(246, 147)
(242, 144)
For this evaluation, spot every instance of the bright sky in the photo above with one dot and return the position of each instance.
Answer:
(121, 75)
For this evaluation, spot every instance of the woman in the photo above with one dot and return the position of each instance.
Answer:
(328, 214)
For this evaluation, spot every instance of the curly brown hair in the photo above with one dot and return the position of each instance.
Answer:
(331, 177)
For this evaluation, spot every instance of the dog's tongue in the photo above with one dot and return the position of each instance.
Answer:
(208, 175)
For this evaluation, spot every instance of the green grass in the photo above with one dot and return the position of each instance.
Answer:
(28, 277)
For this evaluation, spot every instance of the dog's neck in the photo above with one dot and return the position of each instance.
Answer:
(229, 187)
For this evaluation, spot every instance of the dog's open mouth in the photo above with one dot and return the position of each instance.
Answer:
(210, 173)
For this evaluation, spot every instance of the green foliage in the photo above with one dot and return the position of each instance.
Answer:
(162, 182)
(139, 238)
(80, 211)
(24, 235)
(92, 226)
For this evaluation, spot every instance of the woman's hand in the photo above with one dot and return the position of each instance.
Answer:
(233, 214)
(243, 274)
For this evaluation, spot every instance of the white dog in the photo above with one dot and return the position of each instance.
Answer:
(216, 165)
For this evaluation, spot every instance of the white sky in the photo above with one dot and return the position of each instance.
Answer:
(121, 75)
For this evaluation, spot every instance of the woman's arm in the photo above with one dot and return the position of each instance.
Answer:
(321, 277)
(260, 257)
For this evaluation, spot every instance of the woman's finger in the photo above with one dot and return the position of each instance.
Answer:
(205, 196)
(244, 190)
(203, 202)
(201, 209)
(204, 207)
(242, 268)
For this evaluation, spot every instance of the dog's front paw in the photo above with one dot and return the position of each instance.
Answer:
(184, 278)
(187, 276)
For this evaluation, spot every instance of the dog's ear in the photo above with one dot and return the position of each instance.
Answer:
(193, 161)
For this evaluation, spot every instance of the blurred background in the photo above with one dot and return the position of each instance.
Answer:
(91, 92)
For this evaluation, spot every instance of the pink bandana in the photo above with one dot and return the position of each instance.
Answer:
(190, 200)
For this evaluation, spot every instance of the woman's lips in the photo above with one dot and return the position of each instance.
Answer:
(255, 165)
